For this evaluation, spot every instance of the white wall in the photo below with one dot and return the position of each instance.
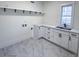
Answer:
(76, 16)
(11, 30)
(52, 13)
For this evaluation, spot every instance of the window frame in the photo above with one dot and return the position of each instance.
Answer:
(72, 16)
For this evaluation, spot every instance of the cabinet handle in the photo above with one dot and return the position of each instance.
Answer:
(73, 34)
(60, 35)
(4, 9)
(48, 32)
(69, 38)
(31, 28)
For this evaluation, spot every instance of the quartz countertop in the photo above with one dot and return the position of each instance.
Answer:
(54, 27)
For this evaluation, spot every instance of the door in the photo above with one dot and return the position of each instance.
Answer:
(73, 42)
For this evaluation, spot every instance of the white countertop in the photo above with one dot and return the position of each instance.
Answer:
(73, 30)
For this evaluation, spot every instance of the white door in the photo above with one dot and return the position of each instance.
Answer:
(73, 42)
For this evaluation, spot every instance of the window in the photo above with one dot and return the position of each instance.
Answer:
(66, 15)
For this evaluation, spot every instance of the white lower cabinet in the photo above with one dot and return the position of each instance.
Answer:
(44, 32)
(36, 32)
(73, 42)
(57, 37)
(47, 33)
(40, 31)
(51, 35)
(61, 38)
(64, 40)
(68, 40)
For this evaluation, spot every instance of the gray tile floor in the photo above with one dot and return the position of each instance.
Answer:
(34, 48)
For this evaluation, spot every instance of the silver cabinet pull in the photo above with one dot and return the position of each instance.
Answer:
(69, 38)
(31, 28)
(73, 34)
(60, 35)
(4, 9)
(23, 11)
(15, 10)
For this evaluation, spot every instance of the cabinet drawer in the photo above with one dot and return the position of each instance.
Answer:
(74, 35)
(62, 32)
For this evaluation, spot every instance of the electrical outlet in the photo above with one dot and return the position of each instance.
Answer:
(25, 25)
(22, 25)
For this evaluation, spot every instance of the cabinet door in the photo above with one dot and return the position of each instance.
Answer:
(47, 33)
(51, 35)
(42, 32)
(57, 37)
(36, 31)
(61, 38)
(73, 42)
(64, 40)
